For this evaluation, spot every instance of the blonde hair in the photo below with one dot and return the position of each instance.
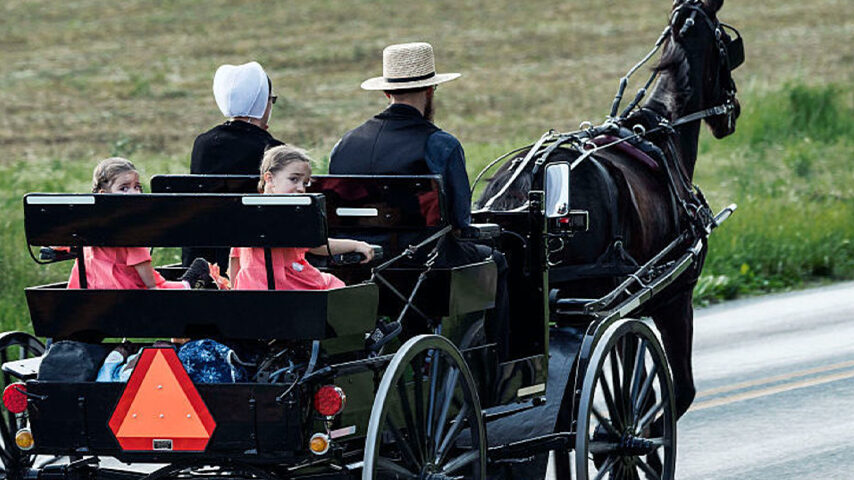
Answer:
(107, 170)
(279, 157)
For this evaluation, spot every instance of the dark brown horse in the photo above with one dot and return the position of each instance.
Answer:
(635, 209)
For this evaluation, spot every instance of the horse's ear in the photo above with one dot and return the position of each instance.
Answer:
(714, 5)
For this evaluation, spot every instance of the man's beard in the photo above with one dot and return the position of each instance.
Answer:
(428, 110)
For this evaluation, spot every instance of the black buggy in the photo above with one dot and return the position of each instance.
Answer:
(396, 375)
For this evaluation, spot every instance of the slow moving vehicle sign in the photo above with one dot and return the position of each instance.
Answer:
(160, 408)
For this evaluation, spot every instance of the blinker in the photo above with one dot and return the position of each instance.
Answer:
(735, 53)
(734, 48)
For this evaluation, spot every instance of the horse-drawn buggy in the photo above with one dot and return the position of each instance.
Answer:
(400, 374)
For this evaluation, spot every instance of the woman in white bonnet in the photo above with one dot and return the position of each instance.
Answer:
(244, 95)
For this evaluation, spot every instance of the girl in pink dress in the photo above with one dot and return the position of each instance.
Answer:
(125, 267)
(287, 169)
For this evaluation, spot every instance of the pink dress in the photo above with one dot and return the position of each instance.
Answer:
(112, 268)
(290, 271)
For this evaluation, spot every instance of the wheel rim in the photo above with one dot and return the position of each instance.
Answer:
(415, 426)
(626, 416)
(15, 346)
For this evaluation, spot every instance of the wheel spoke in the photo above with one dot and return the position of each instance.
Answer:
(632, 471)
(649, 416)
(616, 385)
(431, 404)
(447, 396)
(403, 445)
(609, 401)
(604, 422)
(628, 364)
(461, 461)
(647, 384)
(618, 472)
(418, 383)
(453, 432)
(390, 466)
(414, 432)
(650, 473)
(637, 376)
(606, 467)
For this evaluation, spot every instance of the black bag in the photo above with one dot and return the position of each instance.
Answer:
(70, 361)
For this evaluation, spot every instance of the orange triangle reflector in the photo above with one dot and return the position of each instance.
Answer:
(160, 408)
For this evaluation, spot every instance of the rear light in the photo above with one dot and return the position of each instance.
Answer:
(24, 439)
(319, 443)
(329, 400)
(15, 397)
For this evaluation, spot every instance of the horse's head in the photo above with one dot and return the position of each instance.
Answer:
(700, 55)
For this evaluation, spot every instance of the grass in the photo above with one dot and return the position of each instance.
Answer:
(788, 168)
(87, 79)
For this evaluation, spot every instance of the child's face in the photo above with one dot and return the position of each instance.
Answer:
(126, 182)
(294, 178)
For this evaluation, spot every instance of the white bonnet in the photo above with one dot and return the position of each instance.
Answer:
(241, 90)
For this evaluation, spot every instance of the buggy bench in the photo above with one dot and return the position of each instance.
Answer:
(396, 211)
(158, 220)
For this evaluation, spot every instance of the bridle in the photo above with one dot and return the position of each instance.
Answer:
(730, 52)
(730, 55)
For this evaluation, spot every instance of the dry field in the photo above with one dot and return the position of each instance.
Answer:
(81, 79)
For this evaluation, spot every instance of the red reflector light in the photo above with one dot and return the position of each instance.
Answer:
(329, 400)
(15, 397)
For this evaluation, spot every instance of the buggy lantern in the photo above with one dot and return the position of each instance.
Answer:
(15, 397)
(329, 400)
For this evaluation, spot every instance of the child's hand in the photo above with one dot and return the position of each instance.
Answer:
(366, 250)
(221, 282)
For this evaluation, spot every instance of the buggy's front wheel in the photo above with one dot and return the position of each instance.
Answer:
(15, 346)
(626, 415)
(426, 421)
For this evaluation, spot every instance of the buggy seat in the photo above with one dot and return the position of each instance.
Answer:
(395, 210)
(170, 220)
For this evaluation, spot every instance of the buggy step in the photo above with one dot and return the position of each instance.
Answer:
(531, 446)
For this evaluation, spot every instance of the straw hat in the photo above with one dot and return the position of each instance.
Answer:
(408, 65)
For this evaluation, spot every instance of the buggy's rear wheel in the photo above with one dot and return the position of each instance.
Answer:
(15, 346)
(426, 421)
(627, 415)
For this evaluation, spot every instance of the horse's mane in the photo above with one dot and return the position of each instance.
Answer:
(675, 71)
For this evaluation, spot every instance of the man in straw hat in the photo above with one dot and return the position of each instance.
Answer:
(402, 140)
(244, 95)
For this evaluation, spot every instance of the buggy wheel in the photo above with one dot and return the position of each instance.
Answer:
(15, 346)
(426, 421)
(627, 414)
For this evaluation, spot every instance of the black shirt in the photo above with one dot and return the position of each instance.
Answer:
(235, 148)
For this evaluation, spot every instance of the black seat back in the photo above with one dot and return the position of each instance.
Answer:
(172, 220)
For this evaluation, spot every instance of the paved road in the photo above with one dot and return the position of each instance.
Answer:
(775, 377)
(776, 383)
